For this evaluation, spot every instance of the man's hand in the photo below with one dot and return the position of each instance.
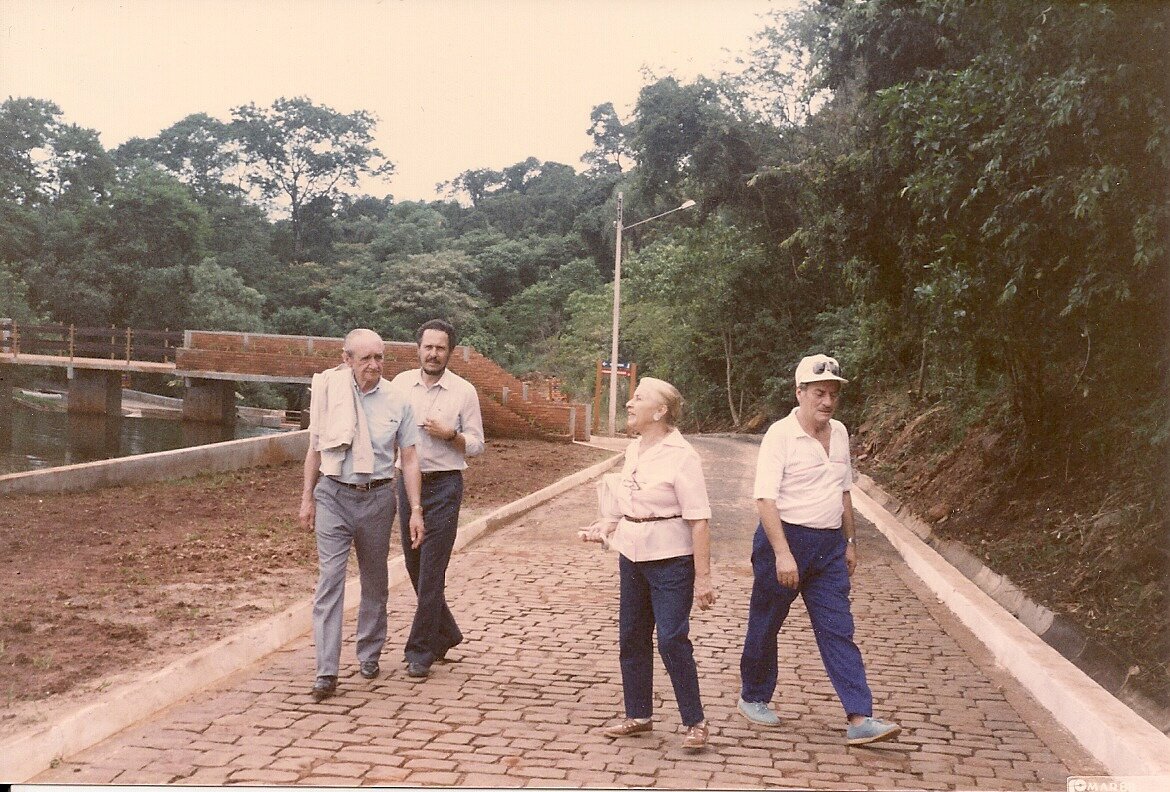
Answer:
(308, 515)
(850, 558)
(417, 529)
(786, 572)
(704, 593)
(438, 429)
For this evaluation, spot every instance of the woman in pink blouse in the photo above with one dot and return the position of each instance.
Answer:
(656, 516)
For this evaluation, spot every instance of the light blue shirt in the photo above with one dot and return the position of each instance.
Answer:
(392, 426)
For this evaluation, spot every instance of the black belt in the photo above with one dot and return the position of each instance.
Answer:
(433, 474)
(649, 519)
(369, 485)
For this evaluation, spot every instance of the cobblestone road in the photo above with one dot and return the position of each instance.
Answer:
(538, 675)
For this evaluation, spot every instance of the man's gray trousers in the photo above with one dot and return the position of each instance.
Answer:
(362, 519)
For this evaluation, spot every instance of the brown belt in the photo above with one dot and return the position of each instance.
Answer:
(650, 519)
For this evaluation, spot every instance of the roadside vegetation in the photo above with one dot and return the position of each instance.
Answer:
(965, 202)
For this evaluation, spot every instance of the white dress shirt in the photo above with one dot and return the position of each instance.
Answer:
(664, 480)
(453, 401)
(806, 483)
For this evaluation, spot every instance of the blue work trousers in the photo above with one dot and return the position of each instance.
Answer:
(658, 594)
(824, 585)
(434, 630)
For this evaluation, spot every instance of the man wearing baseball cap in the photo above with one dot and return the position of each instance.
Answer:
(804, 545)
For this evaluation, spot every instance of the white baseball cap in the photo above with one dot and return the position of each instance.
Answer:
(818, 368)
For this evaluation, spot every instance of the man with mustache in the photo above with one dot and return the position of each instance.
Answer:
(804, 545)
(446, 407)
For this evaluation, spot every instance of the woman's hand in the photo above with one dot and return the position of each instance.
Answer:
(704, 593)
(598, 531)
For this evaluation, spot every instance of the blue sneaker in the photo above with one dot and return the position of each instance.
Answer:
(871, 730)
(758, 712)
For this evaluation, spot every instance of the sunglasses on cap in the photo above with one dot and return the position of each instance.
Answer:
(831, 365)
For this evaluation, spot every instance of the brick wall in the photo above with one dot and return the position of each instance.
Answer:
(506, 411)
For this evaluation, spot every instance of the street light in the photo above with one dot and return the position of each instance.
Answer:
(617, 302)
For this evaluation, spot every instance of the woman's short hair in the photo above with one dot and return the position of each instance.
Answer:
(668, 395)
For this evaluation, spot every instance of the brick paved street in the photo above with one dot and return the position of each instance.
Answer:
(538, 674)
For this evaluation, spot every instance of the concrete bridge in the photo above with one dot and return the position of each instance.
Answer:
(211, 362)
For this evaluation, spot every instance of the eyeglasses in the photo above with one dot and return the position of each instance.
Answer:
(820, 366)
(631, 483)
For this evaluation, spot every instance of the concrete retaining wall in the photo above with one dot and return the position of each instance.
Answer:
(214, 458)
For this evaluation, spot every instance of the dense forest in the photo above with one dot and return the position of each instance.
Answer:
(965, 202)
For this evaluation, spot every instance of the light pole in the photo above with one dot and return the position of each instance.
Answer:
(617, 304)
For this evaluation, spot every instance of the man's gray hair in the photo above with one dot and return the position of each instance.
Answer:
(353, 335)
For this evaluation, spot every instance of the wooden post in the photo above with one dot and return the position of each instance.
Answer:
(597, 399)
(127, 346)
(633, 378)
(72, 328)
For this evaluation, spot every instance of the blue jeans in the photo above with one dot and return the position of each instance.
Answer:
(824, 585)
(434, 630)
(658, 594)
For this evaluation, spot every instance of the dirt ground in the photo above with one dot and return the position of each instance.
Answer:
(103, 585)
(1076, 540)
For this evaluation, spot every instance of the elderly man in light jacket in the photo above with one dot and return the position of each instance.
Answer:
(357, 424)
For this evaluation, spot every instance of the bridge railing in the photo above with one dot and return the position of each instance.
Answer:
(107, 343)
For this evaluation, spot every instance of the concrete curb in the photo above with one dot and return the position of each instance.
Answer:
(270, 449)
(1115, 735)
(1102, 664)
(26, 755)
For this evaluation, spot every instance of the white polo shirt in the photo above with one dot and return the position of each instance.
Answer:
(806, 483)
(663, 481)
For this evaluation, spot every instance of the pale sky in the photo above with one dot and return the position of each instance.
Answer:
(456, 84)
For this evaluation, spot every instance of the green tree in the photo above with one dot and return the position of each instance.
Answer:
(221, 301)
(476, 184)
(429, 285)
(14, 300)
(688, 139)
(407, 229)
(198, 150)
(43, 159)
(707, 311)
(611, 152)
(522, 332)
(299, 152)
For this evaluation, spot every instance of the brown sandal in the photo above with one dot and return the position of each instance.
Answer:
(627, 728)
(696, 736)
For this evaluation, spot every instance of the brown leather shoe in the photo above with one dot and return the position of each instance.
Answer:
(627, 728)
(696, 737)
